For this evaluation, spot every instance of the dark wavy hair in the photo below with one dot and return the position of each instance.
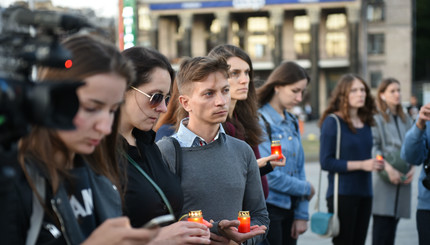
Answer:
(285, 74)
(245, 115)
(382, 105)
(339, 102)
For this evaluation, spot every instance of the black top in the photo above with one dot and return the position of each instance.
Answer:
(142, 201)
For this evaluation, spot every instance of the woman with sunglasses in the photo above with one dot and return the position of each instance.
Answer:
(152, 189)
(65, 191)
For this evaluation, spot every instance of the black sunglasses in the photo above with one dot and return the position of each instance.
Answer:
(154, 99)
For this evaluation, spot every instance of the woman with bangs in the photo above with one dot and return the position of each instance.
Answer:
(354, 107)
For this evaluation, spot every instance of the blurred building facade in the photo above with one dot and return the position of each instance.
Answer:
(372, 38)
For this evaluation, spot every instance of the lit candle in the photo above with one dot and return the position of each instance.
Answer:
(379, 157)
(276, 149)
(245, 222)
(195, 216)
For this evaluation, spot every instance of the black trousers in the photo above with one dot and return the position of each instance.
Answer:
(281, 221)
(384, 230)
(354, 217)
(423, 224)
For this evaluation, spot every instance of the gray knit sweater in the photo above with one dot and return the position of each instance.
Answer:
(221, 179)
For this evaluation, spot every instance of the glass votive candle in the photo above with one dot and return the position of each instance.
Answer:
(276, 149)
(195, 216)
(245, 221)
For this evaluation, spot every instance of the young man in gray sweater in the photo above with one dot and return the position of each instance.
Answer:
(219, 173)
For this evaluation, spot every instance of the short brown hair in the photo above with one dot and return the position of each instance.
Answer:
(197, 69)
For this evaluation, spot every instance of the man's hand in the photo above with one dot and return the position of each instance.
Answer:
(228, 229)
(299, 227)
(219, 240)
(424, 116)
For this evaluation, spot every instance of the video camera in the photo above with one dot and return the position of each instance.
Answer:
(29, 39)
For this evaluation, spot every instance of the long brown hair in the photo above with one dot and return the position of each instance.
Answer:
(339, 102)
(173, 110)
(91, 56)
(382, 105)
(285, 74)
(245, 114)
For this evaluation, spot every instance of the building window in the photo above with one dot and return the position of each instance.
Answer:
(258, 39)
(336, 41)
(302, 37)
(375, 10)
(375, 43)
(375, 78)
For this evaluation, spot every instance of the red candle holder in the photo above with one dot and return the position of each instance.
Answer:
(276, 149)
(245, 221)
(195, 216)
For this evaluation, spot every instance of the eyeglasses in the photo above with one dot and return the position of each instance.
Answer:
(154, 99)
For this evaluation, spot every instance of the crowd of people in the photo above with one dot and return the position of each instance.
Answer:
(149, 141)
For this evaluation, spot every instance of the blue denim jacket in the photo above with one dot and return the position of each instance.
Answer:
(289, 180)
(415, 151)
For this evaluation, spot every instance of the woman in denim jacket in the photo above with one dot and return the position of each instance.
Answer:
(289, 192)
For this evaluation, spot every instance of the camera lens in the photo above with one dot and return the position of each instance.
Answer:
(426, 180)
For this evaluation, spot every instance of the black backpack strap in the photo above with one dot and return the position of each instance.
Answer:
(268, 128)
(295, 122)
(178, 159)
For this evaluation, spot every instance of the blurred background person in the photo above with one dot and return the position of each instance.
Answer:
(353, 105)
(416, 150)
(289, 192)
(414, 107)
(169, 121)
(152, 189)
(64, 193)
(242, 120)
(391, 187)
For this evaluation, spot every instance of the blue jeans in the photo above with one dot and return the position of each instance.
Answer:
(281, 221)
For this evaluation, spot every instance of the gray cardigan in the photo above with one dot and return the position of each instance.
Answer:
(389, 199)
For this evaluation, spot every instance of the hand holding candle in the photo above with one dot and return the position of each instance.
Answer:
(195, 216)
(276, 148)
(245, 222)
(381, 162)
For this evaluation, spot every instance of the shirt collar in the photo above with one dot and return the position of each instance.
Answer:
(274, 115)
(188, 138)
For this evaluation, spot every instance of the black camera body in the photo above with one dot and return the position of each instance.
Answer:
(426, 180)
(29, 39)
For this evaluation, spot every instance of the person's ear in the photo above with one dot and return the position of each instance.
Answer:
(185, 102)
(382, 97)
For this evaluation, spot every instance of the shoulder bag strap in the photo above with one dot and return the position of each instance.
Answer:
(336, 176)
(157, 188)
(382, 133)
(268, 128)
(37, 211)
